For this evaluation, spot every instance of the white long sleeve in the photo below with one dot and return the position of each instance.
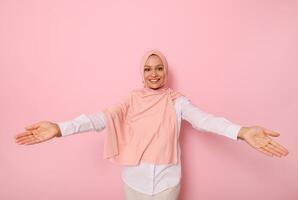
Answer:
(83, 123)
(207, 122)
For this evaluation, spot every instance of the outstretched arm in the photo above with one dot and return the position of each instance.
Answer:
(256, 136)
(46, 130)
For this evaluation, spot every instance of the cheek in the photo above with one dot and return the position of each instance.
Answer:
(145, 76)
(162, 74)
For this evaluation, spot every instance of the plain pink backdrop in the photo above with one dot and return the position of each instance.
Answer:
(63, 58)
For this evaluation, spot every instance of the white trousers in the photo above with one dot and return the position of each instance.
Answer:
(168, 194)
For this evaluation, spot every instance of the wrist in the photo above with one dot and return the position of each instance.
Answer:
(241, 133)
(58, 134)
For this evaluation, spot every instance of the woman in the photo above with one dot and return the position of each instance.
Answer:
(143, 131)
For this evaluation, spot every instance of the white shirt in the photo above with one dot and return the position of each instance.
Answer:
(150, 178)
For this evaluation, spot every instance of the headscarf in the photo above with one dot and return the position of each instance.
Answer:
(163, 60)
(142, 127)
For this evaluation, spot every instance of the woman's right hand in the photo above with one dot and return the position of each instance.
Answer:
(39, 132)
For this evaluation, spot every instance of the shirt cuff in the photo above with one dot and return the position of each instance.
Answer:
(232, 131)
(66, 128)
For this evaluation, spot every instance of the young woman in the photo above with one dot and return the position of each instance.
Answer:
(143, 131)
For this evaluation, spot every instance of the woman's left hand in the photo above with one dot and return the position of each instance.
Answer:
(258, 138)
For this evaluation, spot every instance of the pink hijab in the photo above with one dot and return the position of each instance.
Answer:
(143, 127)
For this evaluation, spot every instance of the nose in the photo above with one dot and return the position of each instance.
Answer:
(153, 73)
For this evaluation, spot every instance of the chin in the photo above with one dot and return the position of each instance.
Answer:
(155, 87)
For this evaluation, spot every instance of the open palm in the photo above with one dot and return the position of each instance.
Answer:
(258, 138)
(36, 133)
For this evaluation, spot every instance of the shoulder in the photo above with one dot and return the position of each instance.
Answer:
(178, 95)
(182, 100)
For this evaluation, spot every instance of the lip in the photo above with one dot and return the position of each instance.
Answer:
(155, 80)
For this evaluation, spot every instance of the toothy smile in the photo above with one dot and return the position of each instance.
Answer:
(153, 80)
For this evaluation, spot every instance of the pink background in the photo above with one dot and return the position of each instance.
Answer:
(63, 58)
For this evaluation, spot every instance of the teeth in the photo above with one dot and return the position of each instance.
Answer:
(154, 80)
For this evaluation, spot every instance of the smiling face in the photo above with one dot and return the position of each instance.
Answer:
(154, 72)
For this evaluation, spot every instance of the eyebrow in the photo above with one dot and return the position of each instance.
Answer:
(154, 66)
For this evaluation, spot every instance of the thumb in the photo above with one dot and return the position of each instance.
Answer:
(271, 133)
(33, 126)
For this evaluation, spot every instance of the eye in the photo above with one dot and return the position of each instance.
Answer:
(160, 68)
(147, 69)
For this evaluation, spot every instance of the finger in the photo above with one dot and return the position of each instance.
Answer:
(33, 126)
(27, 140)
(22, 134)
(265, 151)
(271, 133)
(271, 151)
(280, 148)
(281, 152)
(270, 146)
(20, 140)
(33, 142)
